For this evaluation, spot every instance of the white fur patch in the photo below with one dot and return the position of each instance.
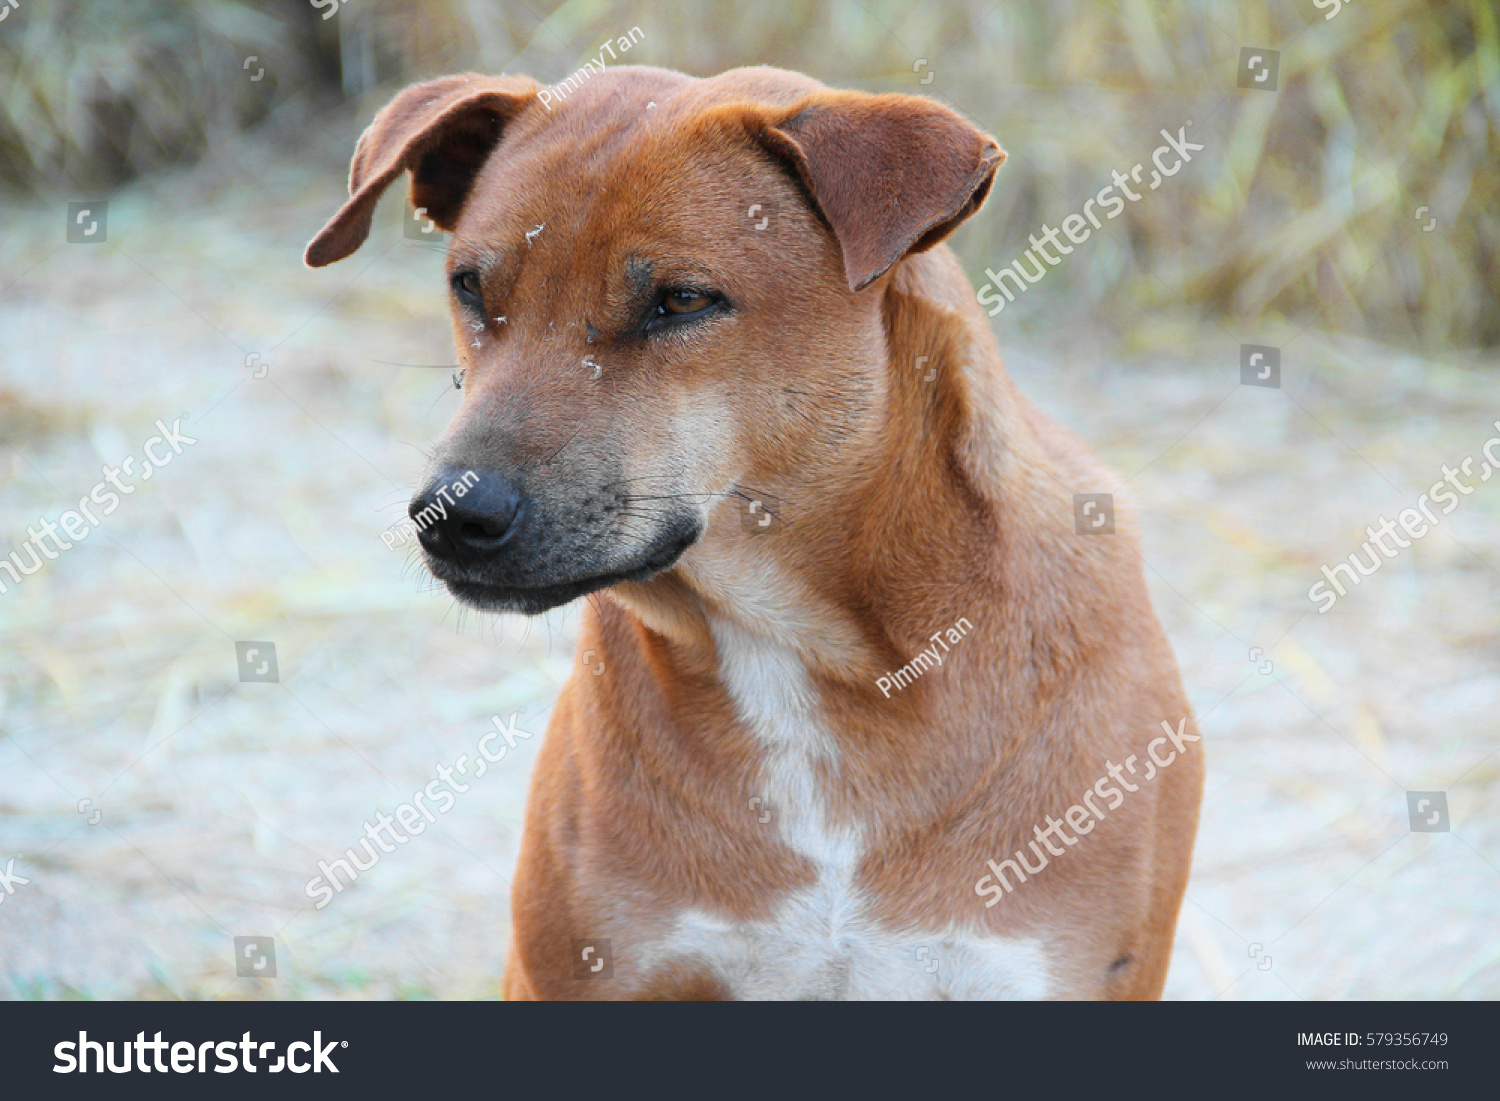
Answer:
(821, 943)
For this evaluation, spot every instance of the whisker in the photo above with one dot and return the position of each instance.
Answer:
(671, 496)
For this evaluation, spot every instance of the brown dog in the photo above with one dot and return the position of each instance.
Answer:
(857, 667)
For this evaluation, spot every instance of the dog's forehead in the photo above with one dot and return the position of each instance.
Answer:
(625, 98)
(634, 158)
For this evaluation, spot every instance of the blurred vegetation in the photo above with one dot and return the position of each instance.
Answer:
(1303, 207)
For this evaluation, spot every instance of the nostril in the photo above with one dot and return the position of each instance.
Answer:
(481, 529)
(487, 530)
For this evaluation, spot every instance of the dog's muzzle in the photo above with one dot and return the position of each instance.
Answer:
(497, 549)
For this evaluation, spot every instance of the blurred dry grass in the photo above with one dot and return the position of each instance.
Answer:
(1295, 227)
(1308, 212)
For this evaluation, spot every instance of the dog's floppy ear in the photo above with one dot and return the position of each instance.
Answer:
(891, 174)
(443, 131)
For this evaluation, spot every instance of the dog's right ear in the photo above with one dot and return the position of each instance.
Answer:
(443, 131)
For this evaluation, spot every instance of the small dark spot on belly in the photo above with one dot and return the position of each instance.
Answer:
(1119, 965)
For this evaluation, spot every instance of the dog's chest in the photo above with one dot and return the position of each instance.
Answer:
(822, 943)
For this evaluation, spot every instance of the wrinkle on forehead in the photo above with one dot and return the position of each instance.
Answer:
(638, 273)
(528, 204)
(599, 251)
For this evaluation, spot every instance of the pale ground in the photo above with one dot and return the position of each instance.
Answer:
(218, 798)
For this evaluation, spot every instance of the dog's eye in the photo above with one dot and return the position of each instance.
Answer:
(466, 285)
(681, 304)
(686, 302)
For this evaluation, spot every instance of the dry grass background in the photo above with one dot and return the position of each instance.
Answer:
(1295, 227)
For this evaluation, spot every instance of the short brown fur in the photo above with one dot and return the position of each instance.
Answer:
(914, 495)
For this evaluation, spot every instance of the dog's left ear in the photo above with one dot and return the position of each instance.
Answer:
(891, 174)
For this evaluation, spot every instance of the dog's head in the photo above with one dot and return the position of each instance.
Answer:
(661, 299)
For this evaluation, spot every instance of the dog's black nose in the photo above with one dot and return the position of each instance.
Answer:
(466, 516)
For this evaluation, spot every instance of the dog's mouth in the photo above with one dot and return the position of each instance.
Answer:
(534, 599)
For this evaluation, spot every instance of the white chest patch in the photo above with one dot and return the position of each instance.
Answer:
(821, 943)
